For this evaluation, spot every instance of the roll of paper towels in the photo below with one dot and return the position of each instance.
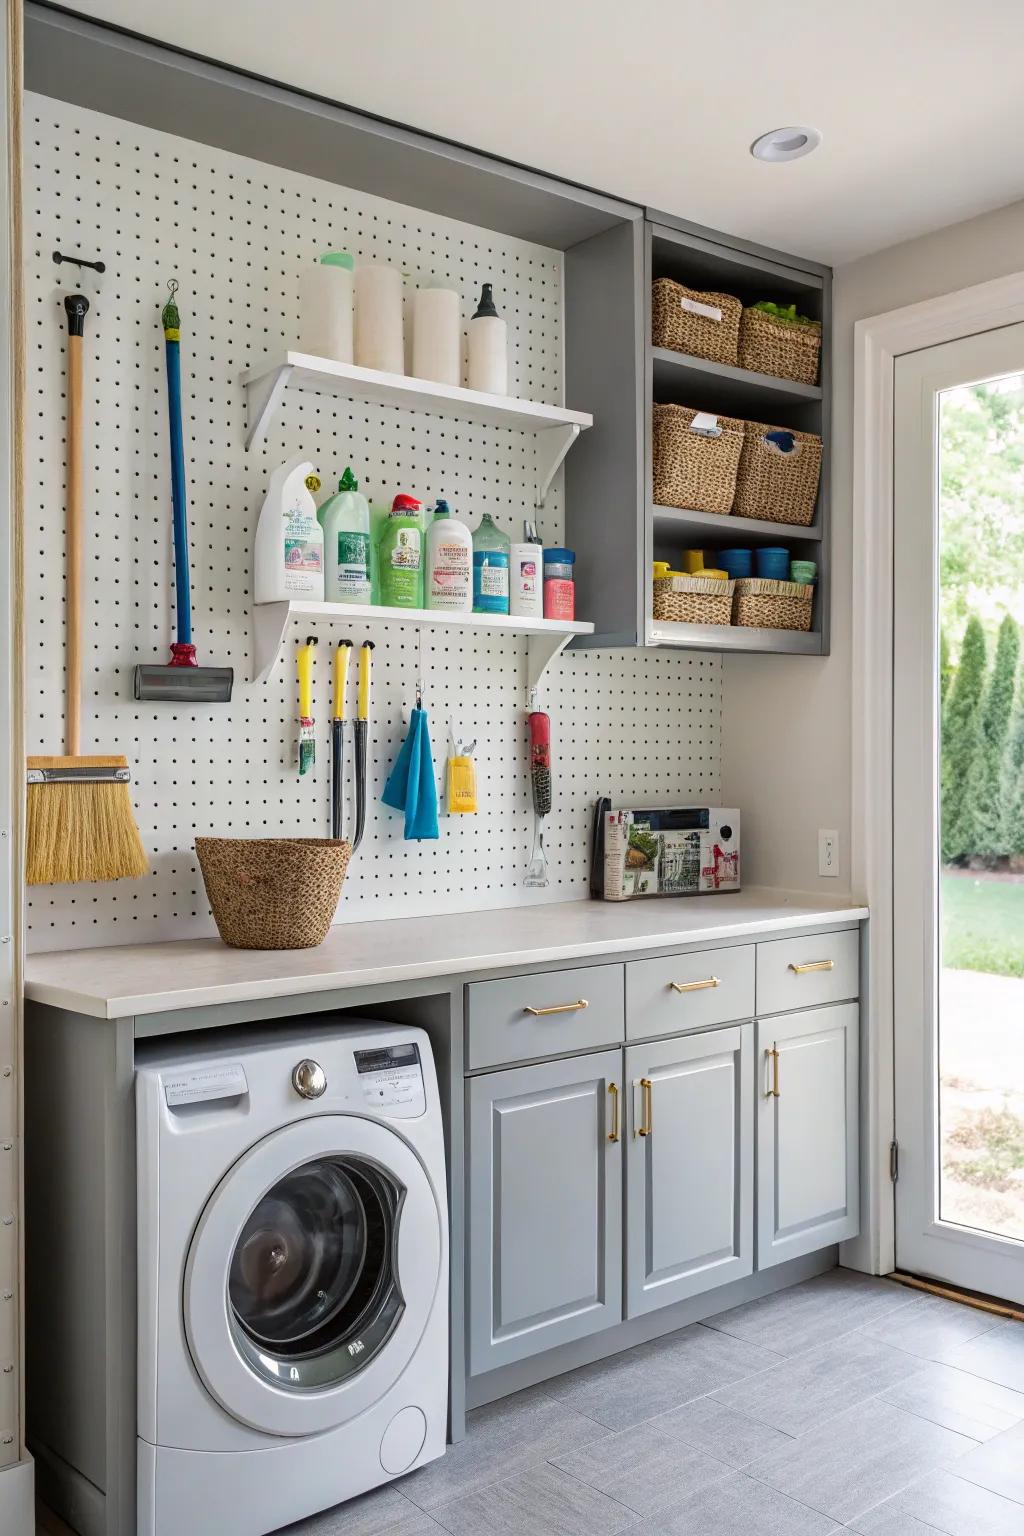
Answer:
(436, 339)
(378, 329)
(325, 308)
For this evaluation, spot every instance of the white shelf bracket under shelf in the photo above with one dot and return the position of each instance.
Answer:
(270, 625)
(552, 447)
(262, 398)
(541, 651)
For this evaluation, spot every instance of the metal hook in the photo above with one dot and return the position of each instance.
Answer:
(173, 286)
(79, 261)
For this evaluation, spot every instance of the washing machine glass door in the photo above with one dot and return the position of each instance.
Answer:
(312, 1273)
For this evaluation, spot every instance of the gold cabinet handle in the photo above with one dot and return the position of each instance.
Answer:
(613, 1091)
(540, 1013)
(813, 965)
(646, 1126)
(695, 986)
(771, 1055)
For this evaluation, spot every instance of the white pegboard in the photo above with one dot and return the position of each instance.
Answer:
(235, 233)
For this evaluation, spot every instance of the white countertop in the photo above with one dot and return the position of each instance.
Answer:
(154, 978)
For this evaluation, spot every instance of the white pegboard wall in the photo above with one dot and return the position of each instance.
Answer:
(235, 233)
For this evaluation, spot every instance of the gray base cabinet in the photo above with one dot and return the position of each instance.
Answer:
(689, 1166)
(544, 1206)
(807, 1171)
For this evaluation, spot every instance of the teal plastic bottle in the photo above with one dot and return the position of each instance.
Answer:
(491, 549)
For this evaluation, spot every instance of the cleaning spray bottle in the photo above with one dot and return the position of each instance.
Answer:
(345, 519)
(289, 552)
(400, 555)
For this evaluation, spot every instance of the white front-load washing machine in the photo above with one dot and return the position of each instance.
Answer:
(292, 1273)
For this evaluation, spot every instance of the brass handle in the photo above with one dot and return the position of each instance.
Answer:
(540, 1013)
(813, 965)
(646, 1126)
(772, 1055)
(613, 1089)
(695, 986)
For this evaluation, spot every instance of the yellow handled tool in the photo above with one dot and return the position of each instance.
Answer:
(341, 656)
(307, 730)
(361, 733)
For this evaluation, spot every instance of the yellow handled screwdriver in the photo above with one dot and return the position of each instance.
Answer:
(341, 656)
(307, 728)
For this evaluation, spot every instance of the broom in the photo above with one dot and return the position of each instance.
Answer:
(81, 825)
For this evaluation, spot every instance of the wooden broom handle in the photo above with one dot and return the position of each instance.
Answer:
(76, 305)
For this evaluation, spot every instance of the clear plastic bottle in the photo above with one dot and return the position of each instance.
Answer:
(491, 550)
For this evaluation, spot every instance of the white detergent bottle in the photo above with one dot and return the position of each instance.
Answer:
(289, 552)
(449, 583)
(345, 519)
(488, 348)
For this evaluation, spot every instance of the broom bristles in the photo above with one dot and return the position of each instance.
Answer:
(82, 832)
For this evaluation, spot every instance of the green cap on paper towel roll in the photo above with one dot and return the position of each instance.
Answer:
(338, 259)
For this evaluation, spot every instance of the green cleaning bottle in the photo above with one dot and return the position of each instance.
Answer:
(400, 555)
(345, 519)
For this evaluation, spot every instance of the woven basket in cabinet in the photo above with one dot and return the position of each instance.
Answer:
(786, 349)
(763, 604)
(691, 469)
(693, 600)
(777, 479)
(273, 892)
(678, 321)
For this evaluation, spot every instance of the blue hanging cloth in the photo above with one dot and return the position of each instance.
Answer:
(411, 786)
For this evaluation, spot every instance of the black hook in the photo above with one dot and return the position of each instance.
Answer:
(80, 261)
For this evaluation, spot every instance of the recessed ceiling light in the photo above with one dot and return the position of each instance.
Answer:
(785, 144)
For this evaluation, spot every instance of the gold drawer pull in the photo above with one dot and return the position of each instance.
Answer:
(772, 1055)
(613, 1090)
(540, 1013)
(646, 1126)
(813, 965)
(695, 986)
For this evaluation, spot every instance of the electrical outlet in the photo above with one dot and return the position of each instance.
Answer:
(828, 852)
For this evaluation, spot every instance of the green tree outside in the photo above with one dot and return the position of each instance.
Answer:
(960, 740)
(980, 822)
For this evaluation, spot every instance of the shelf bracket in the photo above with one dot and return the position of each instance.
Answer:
(262, 398)
(541, 651)
(552, 447)
(270, 625)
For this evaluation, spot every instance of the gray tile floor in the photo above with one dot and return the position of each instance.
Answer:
(846, 1404)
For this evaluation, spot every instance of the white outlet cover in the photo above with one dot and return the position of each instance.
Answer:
(828, 852)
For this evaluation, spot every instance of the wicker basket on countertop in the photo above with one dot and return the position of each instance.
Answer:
(678, 321)
(682, 599)
(691, 469)
(273, 892)
(763, 604)
(786, 349)
(777, 479)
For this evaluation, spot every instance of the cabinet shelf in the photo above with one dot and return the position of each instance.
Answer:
(555, 427)
(718, 386)
(672, 522)
(546, 638)
(734, 637)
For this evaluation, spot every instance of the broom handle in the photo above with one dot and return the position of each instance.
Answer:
(76, 305)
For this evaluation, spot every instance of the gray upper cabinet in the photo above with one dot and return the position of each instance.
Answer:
(689, 1166)
(807, 1149)
(545, 1206)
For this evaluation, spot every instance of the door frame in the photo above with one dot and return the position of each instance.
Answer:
(878, 341)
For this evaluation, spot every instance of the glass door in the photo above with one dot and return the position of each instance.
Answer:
(958, 798)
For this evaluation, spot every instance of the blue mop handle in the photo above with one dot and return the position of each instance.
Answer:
(172, 346)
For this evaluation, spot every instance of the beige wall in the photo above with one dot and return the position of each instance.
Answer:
(786, 720)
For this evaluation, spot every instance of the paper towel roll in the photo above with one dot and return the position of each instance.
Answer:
(378, 329)
(325, 307)
(436, 340)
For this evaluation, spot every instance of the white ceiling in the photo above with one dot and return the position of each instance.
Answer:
(919, 101)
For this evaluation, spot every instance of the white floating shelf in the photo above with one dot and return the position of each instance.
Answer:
(556, 428)
(545, 637)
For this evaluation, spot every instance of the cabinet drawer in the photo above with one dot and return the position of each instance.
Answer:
(544, 1015)
(803, 973)
(683, 992)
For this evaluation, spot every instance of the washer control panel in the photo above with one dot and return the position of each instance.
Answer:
(391, 1080)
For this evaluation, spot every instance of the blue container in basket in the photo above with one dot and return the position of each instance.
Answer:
(773, 564)
(738, 562)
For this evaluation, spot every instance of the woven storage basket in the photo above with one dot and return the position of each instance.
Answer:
(773, 485)
(691, 470)
(780, 347)
(763, 604)
(687, 330)
(273, 892)
(693, 600)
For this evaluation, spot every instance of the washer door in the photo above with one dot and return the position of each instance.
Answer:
(312, 1273)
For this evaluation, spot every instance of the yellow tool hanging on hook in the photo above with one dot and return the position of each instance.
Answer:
(307, 728)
